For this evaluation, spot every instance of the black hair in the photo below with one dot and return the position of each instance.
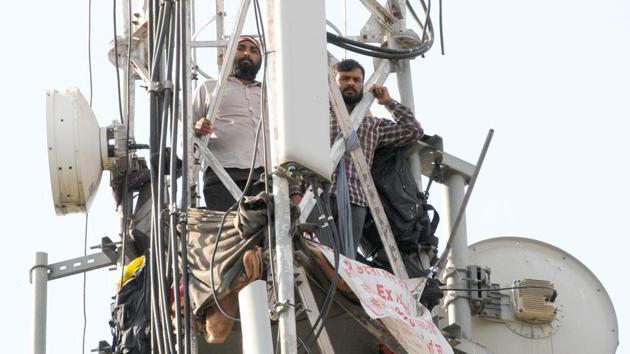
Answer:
(348, 65)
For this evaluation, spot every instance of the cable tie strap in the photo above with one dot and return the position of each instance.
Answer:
(168, 85)
(155, 86)
(280, 307)
(183, 217)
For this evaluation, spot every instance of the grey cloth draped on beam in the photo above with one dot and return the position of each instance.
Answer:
(243, 230)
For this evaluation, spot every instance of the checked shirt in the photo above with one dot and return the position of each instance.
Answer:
(373, 133)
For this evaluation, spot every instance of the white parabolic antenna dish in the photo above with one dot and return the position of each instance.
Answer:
(585, 321)
(74, 150)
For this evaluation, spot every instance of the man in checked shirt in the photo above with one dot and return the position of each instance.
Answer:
(372, 134)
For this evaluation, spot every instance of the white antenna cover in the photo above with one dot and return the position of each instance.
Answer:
(585, 320)
(74, 150)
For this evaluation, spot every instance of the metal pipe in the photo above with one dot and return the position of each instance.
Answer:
(255, 324)
(457, 258)
(464, 203)
(186, 24)
(277, 59)
(284, 267)
(226, 68)
(214, 163)
(220, 23)
(39, 279)
(173, 210)
(128, 86)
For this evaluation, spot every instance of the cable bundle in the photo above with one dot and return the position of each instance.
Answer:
(426, 40)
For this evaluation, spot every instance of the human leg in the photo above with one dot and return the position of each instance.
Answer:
(217, 196)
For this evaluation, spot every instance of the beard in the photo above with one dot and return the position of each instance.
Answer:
(352, 97)
(245, 69)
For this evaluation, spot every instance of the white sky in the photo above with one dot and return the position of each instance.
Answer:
(551, 77)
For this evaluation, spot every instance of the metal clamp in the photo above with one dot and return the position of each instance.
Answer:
(280, 307)
(155, 86)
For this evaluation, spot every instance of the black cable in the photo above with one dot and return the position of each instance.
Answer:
(501, 289)
(427, 25)
(157, 340)
(164, 264)
(333, 287)
(218, 235)
(318, 324)
(441, 28)
(156, 325)
(427, 19)
(161, 37)
(376, 54)
(414, 14)
(388, 53)
(333, 38)
(184, 195)
(173, 183)
(159, 109)
(260, 28)
(306, 348)
(159, 235)
(86, 213)
(125, 186)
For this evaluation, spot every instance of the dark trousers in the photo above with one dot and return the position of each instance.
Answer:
(215, 194)
(358, 214)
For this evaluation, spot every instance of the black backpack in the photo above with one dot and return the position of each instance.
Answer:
(130, 323)
(405, 206)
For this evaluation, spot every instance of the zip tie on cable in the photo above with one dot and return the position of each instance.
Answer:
(160, 86)
(183, 216)
(280, 307)
(155, 86)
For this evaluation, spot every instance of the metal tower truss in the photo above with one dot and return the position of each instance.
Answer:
(160, 47)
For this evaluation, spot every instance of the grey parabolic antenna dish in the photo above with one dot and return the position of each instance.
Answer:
(74, 150)
(585, 321)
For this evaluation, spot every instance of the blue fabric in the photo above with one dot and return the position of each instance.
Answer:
(352, 141)
(344, 211)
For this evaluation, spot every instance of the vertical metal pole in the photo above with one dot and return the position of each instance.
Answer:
(220, 23)
(405, 88)
(193, 174)
(457, 258)
(127, 86)
(283, 244)
(39, 279)
(284, 266)
(187, 25)
(403, 69)
(127, 92)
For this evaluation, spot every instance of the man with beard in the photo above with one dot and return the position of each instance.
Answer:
(233, 134)
(372, 133)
